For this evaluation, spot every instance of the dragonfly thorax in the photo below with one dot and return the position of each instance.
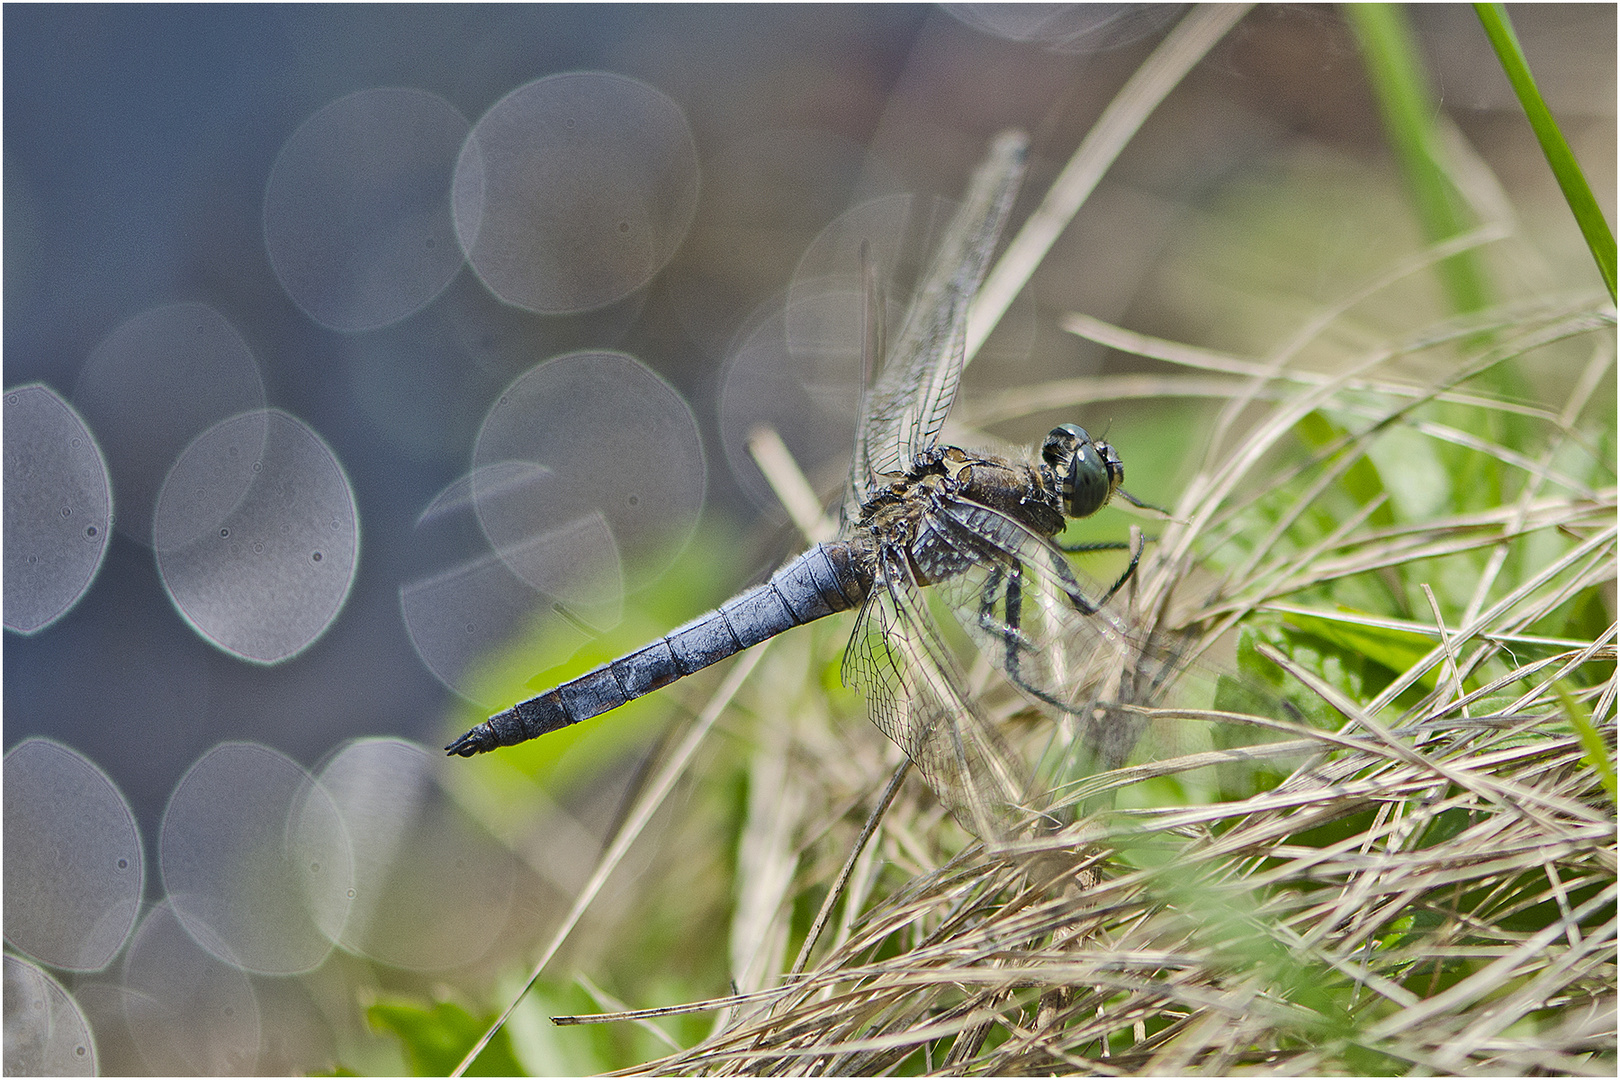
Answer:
(941, 474)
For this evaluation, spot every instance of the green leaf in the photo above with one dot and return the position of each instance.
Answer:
(1265, 689)
(437, 1037)
(1362, 479)
(1388, 647)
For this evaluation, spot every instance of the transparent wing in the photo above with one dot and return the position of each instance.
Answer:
(914, 693)
(903, 412)
(1112, 684)
(1038, 619)
(874, 339)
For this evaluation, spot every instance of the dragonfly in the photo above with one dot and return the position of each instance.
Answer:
(976, 528)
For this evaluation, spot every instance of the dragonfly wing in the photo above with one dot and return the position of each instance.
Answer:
(874, 339)
(1037, 618)
(898, 660)
(904, 410)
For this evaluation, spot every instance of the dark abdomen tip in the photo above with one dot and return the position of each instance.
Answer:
(476, 741)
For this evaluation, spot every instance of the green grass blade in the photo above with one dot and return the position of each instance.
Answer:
(1401, 84)
(1596, 751)
(1571, 180)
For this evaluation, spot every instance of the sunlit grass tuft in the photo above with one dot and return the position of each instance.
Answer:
(1411, 869)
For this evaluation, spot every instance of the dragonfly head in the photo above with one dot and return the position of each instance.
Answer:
(1087, 470)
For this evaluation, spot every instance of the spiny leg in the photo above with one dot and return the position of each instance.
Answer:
(987, 610)
(1010, 630)
(1138, 503)
(1010, 627)
(1094, 545)
(1078, 598)
(1130, 571)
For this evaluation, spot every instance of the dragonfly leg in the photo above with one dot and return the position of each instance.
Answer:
(1010, 630)
(1105, 545)
(1130, 571)
(1138, 503)
(1094, 545)
(1087, 606)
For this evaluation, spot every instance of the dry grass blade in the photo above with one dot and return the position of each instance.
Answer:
(1192, 38)
(635, 822)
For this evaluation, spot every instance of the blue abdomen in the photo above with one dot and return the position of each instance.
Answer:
(823, 580)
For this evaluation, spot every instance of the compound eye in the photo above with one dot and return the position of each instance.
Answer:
(1087, 484)
(1060, 444)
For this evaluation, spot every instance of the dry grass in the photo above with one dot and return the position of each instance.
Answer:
(1415, 873)
(1382, 840)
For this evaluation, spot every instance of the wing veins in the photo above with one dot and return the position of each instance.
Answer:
(915, 694)
(915, 388)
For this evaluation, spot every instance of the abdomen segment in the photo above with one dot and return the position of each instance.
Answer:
(823, 580)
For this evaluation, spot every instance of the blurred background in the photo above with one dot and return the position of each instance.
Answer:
(368, 367)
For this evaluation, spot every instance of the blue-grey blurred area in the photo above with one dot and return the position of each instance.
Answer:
(138, 146)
